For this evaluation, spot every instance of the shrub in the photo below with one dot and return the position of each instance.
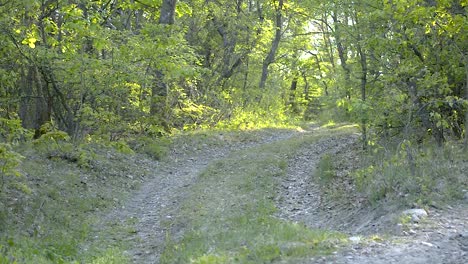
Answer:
(156, 148)
(9, 162)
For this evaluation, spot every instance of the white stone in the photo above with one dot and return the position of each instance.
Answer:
(416, 214)
(427, 244)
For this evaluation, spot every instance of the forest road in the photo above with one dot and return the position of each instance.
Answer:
(158, 201)
(443, 238)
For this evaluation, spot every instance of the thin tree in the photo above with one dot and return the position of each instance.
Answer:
(270, 58)
(160, 87)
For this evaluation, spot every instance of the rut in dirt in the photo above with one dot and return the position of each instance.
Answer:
(300, 199)
(158, 201)
(440, 239)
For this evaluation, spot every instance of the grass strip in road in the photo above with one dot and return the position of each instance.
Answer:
(229, 214)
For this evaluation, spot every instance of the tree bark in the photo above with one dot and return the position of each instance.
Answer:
(325, 28)
(363, 61)
(306, 87)
(292, 94)
(466, 108)
(270, 58)
(423, 114)
(319, 68)
(160, 87)
(342, 54)
(34, 109)
(167, 13)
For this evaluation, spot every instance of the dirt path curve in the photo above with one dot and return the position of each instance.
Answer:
(157, 202)
(443, 239)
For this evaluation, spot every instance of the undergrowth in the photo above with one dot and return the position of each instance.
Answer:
(326, 169)
(410, 175)
(66, 186)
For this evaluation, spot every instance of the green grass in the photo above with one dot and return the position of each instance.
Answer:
(229, 215)
(69, 187)
(431, 175)
(325, 169)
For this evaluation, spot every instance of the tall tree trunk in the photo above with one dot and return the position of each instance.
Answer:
(325, 29)
(292, 94)
(466, 110)
(363, 61)
(160, 88)
(342, 54)
(306, 87)
(167, 13)
(423, 113)
(319, 68)
(270, 58)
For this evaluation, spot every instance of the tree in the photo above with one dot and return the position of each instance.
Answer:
(160, 86)
(270, 58)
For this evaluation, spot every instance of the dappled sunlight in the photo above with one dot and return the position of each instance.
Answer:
(177, 119)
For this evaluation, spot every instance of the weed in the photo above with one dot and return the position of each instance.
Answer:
(433, 174)
(111, 256)
(325, 169)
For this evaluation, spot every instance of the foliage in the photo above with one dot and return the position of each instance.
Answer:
(155, 148)
(9, 163)
(11, 131)
(87, 76)
(114, 70)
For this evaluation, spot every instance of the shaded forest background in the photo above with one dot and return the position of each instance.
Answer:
(115, 68)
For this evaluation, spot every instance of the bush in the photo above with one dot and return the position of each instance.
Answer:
(9, 162)
(11, 131)
(156, 148)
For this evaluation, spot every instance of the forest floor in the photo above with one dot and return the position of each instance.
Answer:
(161, 215)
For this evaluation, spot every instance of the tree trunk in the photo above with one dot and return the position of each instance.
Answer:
(363, 62)
(270, 58)
(306, 87)
(292, 94)
(423, 114)
(319, 68)
(342, 54)
(324, 27)
(34, 109)
(466, 110)
(167, 14)
(160, 88)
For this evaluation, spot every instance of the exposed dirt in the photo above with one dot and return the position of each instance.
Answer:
(153, 207)
(441, 238)
(375, 233)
